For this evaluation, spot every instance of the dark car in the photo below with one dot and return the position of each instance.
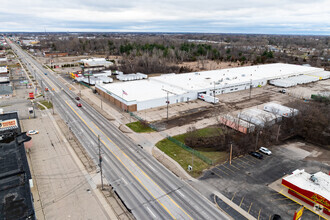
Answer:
(77, 98)
(256, 154)
(276, 217)
(79, 105)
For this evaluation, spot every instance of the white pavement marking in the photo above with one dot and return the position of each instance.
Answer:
(151, 212)
(150, 167)
(180, 193)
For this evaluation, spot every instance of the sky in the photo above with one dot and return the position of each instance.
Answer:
(203, 16)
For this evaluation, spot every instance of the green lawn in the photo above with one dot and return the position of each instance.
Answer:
(138, 127)
(45, 103)
(185, 158)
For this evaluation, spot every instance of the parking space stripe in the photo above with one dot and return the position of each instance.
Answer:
(241, 202)
(233, 196)
(235, 167)
(238, 163)
(279, 199)
(250, 207)
(222, 170)
(259, 214)
(217, 174)
(250, 160)
(247, 163)
(228, 168)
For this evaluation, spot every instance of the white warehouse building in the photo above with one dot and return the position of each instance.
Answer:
(156, 91)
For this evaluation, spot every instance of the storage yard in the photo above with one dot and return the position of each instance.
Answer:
(175, 88)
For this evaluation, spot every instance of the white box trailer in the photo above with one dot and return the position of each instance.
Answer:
(207, 98)
(281, 110)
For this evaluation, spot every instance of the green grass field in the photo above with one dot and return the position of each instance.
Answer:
(185, 158)
(45, 103)
(138, 127)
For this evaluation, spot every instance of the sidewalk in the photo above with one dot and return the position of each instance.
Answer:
(238, 209)
(60, 180)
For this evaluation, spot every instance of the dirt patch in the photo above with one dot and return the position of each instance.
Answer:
(190, 116)
(203, 65)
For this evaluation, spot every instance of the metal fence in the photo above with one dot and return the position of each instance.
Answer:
(189, 149)
(179, 143)
(84, 84)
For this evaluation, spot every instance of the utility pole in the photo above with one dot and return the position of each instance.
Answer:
(257, 138)
(250, 88)
(167, 103)
(167, 100)
(231, 152)
(100, 160)
(34, 112)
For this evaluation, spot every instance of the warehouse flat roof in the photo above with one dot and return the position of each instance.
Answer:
(141, 90)
(197, 81)
(301, 179)
(206, 79)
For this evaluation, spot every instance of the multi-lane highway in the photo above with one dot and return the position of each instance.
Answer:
(146, 187)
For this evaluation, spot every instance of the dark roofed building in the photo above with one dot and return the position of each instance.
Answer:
(16, 200)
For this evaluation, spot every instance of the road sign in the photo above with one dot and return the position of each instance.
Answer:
(298, 213)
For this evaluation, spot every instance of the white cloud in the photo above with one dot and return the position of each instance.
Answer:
(167, 15)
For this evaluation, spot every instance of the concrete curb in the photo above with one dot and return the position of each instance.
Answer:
(234, 206)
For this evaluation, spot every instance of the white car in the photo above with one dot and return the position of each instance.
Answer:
(265, 151)
(33, 132)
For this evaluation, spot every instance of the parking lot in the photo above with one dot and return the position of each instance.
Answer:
(245, 182)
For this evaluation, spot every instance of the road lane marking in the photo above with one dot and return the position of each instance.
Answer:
(142, 171)
(151, 167)
(151, 212)
(127, 167)
(180, 193)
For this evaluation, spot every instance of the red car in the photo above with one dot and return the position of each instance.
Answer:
(79, 105)
(77, 98)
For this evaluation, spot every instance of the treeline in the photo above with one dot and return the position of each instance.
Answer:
(312, 124)
(161, 53)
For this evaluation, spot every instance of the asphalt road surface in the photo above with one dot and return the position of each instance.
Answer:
(146, 187)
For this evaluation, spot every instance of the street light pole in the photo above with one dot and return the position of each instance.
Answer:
(34, 112)
(100, 160)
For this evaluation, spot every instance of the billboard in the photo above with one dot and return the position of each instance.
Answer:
(31, 95)
(8, 124)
